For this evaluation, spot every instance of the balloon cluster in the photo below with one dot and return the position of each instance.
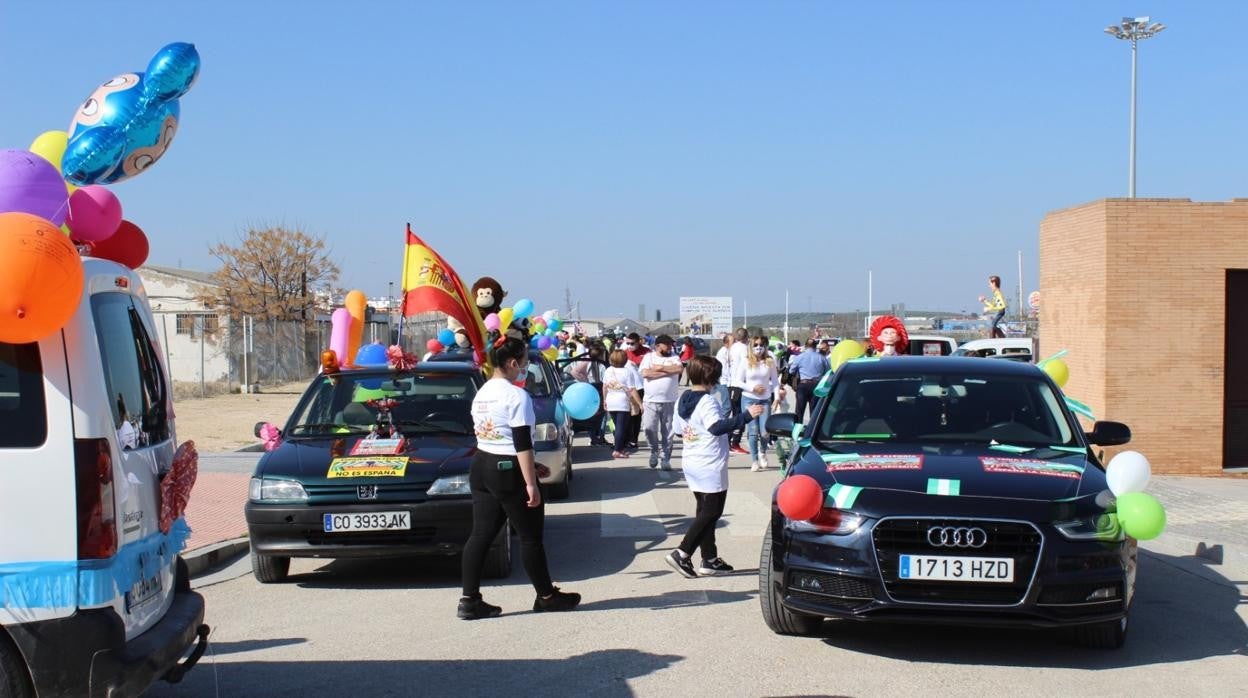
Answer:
(543, 332)
(1140, 515)
(52, 199)
(346, 333)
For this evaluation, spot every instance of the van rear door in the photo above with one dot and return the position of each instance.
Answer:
(37, 503)
(132, 412)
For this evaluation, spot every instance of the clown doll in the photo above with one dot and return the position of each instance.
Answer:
(888, 336)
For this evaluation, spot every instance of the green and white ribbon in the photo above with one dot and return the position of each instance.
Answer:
(839, 457)
(951, 488)
(842, 496)
(1069, 449)
(824, 385)
(1058, 355)
(1010, 449)
(1079, 408)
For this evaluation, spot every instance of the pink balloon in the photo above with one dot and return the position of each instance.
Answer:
(492, 321)
(340, 329)
(94, 213)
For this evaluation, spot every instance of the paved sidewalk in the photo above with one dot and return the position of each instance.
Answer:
(215, 511)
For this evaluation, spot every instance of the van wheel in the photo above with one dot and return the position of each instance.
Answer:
(14, 681)
(269, 569)
(1109, 635)
(780, 619)
(498, 559)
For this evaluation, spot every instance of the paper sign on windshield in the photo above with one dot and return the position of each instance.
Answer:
(1027, 466)
(879, 461)
(387, 466)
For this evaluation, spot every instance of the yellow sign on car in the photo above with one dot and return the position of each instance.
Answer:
(368, 466)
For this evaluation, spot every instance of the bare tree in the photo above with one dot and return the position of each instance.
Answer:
(277, 273)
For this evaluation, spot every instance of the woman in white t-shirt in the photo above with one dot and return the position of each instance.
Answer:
(705, 427)
(762, 382)
(503, 480)
(620, 384)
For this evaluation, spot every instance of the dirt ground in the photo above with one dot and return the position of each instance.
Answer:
(226, 422)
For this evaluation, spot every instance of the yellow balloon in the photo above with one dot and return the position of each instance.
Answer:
(551, 354)
(1058, 371)
(505, 317)
(50, 145)
(844, 351)
(65, 229)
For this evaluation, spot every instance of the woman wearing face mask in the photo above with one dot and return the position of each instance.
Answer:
(503, 479)
(761, 383)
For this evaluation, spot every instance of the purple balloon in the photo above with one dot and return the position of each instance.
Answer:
(543, 343)
(30, 184)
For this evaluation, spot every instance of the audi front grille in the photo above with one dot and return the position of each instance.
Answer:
(894, 537)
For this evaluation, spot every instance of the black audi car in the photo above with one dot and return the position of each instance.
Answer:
(322, 493)
(957, 491)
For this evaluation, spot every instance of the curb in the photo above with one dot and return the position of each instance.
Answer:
(201, 560)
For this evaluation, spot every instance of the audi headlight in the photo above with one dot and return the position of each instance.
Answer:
(453, 485)
(267, 489)
(831, 521)
(1103, 527)
(546, 432)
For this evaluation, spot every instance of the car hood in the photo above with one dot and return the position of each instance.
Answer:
(308, 460)
(1042, 475)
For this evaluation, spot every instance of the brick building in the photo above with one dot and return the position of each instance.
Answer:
(1150, 297)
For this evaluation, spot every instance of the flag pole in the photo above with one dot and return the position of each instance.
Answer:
(403, 288)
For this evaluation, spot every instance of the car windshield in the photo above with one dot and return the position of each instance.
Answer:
(347, 403)
(1010, 410)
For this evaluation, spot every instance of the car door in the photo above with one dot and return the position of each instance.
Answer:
(137, 396)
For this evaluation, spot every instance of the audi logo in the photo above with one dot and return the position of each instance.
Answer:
(956, 537)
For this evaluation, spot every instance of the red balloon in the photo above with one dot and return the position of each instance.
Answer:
(127, 246)
(800, 497)
(434, 346)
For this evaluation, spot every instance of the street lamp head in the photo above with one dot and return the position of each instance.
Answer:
(1134, 29)
(1114, 30)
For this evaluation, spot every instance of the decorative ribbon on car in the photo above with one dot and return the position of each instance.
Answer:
(175, 488)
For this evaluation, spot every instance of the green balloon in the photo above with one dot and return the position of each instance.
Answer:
(1142, 517)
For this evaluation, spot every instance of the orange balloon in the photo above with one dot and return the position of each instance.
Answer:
(357, 305)
(40, 278)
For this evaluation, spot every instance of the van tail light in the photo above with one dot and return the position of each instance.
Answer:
(97, 521)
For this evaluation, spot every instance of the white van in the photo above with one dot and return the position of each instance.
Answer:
(1014, 347)
(94, 599)
(931, 345)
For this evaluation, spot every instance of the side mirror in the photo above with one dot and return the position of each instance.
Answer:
(1109, 434)
(781, 424)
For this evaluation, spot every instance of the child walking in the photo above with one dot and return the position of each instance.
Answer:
(705, 462)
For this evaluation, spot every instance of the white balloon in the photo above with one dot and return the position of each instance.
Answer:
(1128, 471)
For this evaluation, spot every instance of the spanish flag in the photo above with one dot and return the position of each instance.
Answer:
(430, 284)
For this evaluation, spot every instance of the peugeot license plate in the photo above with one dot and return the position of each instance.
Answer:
(375, 521)
(946, 568)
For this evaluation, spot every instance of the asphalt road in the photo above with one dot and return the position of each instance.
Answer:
(388, 628)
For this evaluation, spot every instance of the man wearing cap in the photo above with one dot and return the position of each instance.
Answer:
(661, 371)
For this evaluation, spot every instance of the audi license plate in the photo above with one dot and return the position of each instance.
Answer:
(376, 521)
(944, 568)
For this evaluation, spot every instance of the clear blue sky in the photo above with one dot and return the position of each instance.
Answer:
(641, 151)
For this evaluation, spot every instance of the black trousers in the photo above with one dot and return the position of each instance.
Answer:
(623, 422)
(701, 533)
(499, 496)
(805, 398)
(634, 427)
(734, 397)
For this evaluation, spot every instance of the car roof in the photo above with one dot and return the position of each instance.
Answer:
(998, 342)
(947, 365)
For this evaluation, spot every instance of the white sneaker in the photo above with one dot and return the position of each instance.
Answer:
(762, 463)
(754, 467)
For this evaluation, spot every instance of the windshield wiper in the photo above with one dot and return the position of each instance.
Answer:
(434, 425)
(334, 428)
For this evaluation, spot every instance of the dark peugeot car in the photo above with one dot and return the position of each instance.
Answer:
(958, 491)
(312, 498)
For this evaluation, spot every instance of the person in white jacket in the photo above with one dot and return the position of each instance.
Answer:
(761, 384)
(705, 425)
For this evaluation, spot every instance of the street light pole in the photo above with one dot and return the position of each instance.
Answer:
(1133, 29)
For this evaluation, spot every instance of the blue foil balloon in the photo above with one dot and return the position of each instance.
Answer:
(446, 337)
(371, 355)
(581, 401)
(127, 124)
